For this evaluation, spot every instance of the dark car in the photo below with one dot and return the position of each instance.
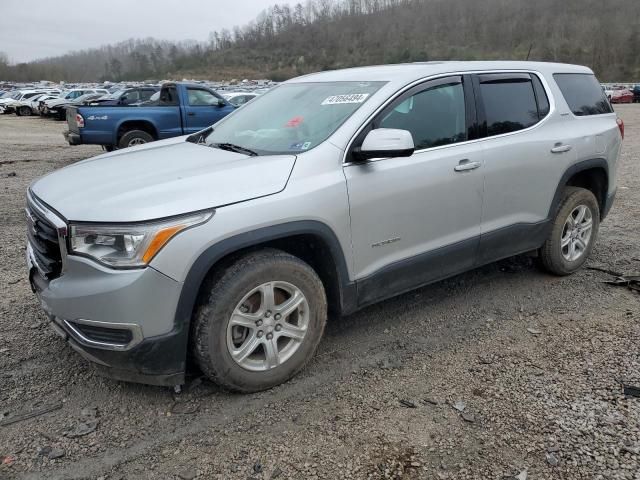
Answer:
(127, 96)
(636, 94)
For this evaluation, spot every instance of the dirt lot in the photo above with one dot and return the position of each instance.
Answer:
(537, 361)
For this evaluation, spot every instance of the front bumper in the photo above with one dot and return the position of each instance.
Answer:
(154, 361)
(123, 321)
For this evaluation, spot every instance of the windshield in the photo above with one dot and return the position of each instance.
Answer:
(292, 118)
(115, 95)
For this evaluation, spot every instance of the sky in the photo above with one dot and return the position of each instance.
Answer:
(45, 28)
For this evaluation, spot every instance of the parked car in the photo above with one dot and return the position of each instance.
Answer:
(86, 99)
(28, 104)
(34, 102)
(11, 103)
(330, 192)
(53, 107)
(239, 98)
(621, 95)
(636, 94)
(127, 96)
(181, 109)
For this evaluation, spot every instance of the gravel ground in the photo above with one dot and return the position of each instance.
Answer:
(503, 372)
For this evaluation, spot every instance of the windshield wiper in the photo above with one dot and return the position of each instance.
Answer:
(234, 148)
(200, 137)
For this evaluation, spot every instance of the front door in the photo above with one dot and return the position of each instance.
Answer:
(203, 109)
(417, 219)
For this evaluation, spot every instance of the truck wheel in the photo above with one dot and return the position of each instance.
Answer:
(261, 321)
(573, 232)
(25, 111)
(134, 137)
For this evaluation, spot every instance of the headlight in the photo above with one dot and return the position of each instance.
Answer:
(132, 245)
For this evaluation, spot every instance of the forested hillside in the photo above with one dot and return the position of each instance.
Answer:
(326, 34)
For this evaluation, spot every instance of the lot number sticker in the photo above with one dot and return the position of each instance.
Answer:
(351, 98)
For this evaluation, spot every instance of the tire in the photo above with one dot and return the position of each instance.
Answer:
(228, 292)
(25, 111)
(559, 259)
(134, 137)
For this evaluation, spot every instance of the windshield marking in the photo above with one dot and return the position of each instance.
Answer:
(341, 99)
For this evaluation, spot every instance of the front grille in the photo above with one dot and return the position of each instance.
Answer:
(94, 333)
(43, 239)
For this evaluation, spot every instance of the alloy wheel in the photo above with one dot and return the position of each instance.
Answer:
(136, 141)
(576, 233)
(268, 326)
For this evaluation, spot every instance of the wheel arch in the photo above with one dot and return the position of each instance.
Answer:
(312, 241)
(592, 174)
(140, 124)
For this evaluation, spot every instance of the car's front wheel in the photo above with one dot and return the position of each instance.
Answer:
(573, 232)
(25, 111)
(261, 322)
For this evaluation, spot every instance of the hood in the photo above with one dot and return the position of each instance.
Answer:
(154, 181)
(54, 102)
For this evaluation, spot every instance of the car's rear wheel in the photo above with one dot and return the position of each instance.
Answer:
(25, 111)
(133, 138)
(261, 321)
(573, 232)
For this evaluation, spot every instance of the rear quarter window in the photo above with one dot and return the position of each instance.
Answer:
(583, 94)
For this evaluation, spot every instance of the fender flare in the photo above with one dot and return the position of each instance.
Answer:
(207, 259)
(570, 172)
(133, 120)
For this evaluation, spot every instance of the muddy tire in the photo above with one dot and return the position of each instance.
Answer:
(573, 232)
(260, 321)
(134, 137)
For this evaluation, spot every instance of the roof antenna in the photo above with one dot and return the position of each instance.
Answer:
(529, 52)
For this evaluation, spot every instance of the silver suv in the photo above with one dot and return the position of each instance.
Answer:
(227, 248)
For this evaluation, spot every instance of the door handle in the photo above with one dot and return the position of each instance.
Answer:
(465, 165)
(560, 148)
(191, 114)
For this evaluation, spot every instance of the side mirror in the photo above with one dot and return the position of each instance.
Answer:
(385, 143)
(221, 103)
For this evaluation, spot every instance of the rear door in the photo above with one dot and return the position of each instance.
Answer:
(526, 152)
(203, 108)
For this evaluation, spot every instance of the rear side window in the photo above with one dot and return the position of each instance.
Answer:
(169, 96)
(583, 94)
(509, 102)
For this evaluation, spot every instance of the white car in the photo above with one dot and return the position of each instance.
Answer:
(239, 98)
(52, 107)
(14, 100)
(28, 105)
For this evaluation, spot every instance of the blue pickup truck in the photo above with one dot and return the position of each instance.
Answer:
(181, 109)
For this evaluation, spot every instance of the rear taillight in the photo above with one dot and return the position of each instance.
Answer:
(620, 126)
(79, 120)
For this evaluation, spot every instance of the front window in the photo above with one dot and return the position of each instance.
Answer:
(292, 118)
(435, 116)
(201, 98)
